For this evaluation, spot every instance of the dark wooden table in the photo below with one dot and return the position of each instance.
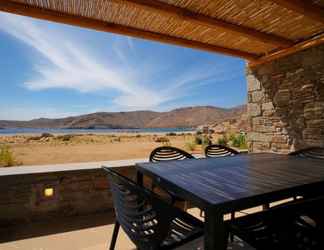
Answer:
(222, 185)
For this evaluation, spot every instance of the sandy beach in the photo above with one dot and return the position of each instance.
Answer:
(53, 149)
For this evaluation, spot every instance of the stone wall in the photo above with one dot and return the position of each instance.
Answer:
(77, 192)
(286, 102)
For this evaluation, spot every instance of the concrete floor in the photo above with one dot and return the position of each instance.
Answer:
(81, 233)
(78, 233)
(86, 239)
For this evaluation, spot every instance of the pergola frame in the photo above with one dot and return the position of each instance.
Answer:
(282, 45)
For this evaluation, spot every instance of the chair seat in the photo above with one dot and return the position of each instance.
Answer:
(182, 230)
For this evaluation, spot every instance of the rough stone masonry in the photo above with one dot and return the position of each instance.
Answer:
(286, 102)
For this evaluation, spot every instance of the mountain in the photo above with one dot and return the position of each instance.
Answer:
(182, 117)
(195, 116)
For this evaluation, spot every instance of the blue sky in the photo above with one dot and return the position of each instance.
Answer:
(54, 70)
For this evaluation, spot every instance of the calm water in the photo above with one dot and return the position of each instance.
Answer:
(13, 131)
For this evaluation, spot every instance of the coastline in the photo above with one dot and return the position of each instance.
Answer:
(147, 131)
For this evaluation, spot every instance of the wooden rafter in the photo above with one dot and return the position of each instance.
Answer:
(304, 7)
(288, 51)
(56, 16)
(210, 22)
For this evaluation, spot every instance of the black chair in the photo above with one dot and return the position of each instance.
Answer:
(168, 153)
(311, 152)
(149, 221)
(283, 228)
(216, 150)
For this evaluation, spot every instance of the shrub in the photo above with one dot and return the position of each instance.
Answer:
(164, 140)
(198, 140)
(223, 141)
(46, 135)
(66, 137)
(206, 141)
(240, 141)
(117, 139)
(171, 134)
(202, 140)
(191, 145)
(6, 157)
(232, 137)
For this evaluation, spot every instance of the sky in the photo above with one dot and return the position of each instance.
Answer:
(53, 70)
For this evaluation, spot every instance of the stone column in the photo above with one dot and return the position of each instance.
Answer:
(286, 102)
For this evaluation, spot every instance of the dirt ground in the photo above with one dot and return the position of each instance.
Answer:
(37, 150)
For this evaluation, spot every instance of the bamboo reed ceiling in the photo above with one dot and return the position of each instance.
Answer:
(250, 29)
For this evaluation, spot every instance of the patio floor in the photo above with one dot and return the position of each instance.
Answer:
(78, 233)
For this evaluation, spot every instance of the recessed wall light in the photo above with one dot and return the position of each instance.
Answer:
(48, 192)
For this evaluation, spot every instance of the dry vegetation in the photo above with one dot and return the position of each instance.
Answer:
(52, 149)
(7, 158)
(49, 149)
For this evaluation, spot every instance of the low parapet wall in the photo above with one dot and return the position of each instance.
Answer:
(30, 194)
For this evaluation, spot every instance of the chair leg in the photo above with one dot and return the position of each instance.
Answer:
(231, 235)
(185, 206)
(114, 236)
(202, 213)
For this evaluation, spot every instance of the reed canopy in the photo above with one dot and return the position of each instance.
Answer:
(256, 30)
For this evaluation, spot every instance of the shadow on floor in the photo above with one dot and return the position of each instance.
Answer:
(68, 234)
(62, 225)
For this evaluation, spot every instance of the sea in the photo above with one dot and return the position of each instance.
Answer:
(17, 131)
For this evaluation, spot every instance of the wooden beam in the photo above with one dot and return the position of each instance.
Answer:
(187, 15)
(60, 17)
(285, 52)
(304, 7)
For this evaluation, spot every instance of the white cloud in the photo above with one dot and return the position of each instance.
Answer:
(20, 113)
(70, 64)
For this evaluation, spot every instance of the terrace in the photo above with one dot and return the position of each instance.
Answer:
(70, 207)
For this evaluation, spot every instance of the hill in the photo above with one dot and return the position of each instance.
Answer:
(182, 117)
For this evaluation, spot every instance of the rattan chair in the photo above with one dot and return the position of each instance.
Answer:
(216, 150)
(168, 153)
(149, 221)
(283, 228)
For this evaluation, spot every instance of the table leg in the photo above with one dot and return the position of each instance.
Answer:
(216, 234)
(139, 178)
